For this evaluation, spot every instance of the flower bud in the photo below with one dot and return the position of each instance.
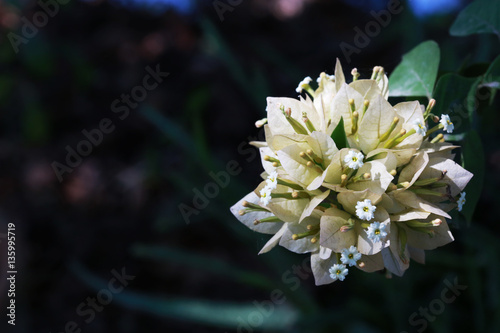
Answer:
(354, 74)
(260, 123)
(436, 222)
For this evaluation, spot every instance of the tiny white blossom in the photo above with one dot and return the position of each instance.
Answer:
(327, 76)
(350, 256)
(461, 201)
(365, 209)
(419, 127)
(338, 272)
(446, 122)
(376, 232)
(272, 180)
(303, 84)
(265, 195)
(354, 160)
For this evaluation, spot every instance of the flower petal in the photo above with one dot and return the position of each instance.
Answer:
(331, 236)
(249, 218)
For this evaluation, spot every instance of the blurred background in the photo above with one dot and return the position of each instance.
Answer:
(131, 205)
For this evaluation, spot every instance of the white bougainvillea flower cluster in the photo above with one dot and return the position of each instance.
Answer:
(352, 179)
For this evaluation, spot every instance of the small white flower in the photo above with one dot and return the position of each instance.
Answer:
(419, 127)
(461, 201)
(327, 76)
(338, 272)
(446, 122)
(365, 209)
(265, 195)
(350, 256)
(376, 232)
(272, 180)
(354, 160)
(303, 84)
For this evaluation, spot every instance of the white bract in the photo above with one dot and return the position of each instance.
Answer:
(365, 209)
(371, 195)
(338, 272)
(447, 124)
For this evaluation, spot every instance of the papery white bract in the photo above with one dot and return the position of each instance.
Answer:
(319, 189)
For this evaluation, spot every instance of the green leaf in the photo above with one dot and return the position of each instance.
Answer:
(474, 161)
(205, 312)
(219, 48)
(416, 74)
(492, 76)
(339, 136)
(202, 262)
(453, 97)
(481, 16)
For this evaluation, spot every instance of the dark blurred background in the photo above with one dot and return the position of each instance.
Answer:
(119, 209)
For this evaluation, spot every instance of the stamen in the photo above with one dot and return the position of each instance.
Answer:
(298, 128)
(366, 104)
(355, 116)
(394, 141)
(314, 157)
(387, 134)
(308, 123)
(270, 159)
(343, 180)
(351, 103)
(289, 184)
(437, 138)
(271, 219)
